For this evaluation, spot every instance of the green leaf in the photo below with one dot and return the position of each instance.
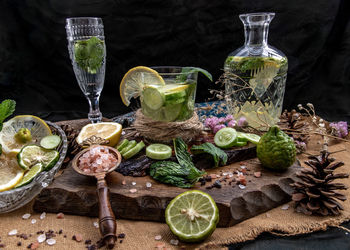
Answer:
(190, 70)
(7, 107)
(219, 156)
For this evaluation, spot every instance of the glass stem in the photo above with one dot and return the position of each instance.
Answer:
(95, 115)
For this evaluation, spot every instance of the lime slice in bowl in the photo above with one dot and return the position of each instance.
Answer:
(32, 154)
(30, 175)
(192, 216)
(225, 137)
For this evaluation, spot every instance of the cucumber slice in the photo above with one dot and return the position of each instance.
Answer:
(171, 112)
(135, 150)
(158, 151)
(152, 97)
(50, 141)
(241, 136)
(130, 145)
(239, 143)
(225, 137)
(253, 138)
(123, 144)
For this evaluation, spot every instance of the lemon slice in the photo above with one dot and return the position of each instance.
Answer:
(134, 81)
(32, 154)
(38, 129)
(10, 173)
(110, 131)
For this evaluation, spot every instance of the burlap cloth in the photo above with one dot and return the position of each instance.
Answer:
(140, 235)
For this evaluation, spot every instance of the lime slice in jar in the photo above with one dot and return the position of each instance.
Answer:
(174, 93)
(50, 141)
(192, 216)
(225, 137)
(152, 97)
(158, 151)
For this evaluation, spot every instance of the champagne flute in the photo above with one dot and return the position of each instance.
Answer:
(87, 51)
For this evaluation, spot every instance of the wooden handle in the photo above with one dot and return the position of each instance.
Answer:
(108, 225)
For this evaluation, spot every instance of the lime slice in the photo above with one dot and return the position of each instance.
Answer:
(192, 216)
(152, 97)
(253, 138)
(123, 144)
(50, 141)
(130, 145)
(30, 175)
(135, 150)
(32, 154)
(158, 151)
(225, 137)
(135, 80)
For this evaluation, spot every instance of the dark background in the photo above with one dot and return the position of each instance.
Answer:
(35, 69)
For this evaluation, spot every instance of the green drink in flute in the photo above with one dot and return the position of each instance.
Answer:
(166, 93)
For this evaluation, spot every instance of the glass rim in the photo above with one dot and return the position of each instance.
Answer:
(256, 14)
(76, 18)
(172, 67)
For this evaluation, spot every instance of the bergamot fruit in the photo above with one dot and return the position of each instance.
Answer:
(276, 150)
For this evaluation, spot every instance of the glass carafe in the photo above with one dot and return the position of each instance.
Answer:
(255, 74)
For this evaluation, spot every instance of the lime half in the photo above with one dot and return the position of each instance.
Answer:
(192, 216)
(30, 175)
(32, 154)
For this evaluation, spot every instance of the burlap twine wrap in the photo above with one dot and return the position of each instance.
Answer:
(165, 131)
(140, 235)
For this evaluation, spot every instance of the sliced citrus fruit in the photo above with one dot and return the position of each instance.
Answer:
(32, 154)
(30, 175)
(37, 127)
(192, 216)
(10, 172)
(134, 81)
(110, 131)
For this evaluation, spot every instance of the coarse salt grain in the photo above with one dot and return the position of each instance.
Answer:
(133, 183)
(13, 232)
(158, 237)
(285, 207)
(26, 216)
(51, 242)
(42, 216)
(33, 221)
(224, 174)
(148, 184)
(96, 224)
(174, 242)
(243, 167)
(44, 184)
(133, 190)
(241, 186)
(41, 238)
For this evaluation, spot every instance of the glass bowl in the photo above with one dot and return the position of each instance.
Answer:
(16, 198)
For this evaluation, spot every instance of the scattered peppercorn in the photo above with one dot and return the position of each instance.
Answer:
(19, 243)
(121, 241)
(87, 242)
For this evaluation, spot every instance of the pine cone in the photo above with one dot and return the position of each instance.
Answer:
(73, 146)
(295, 121)
(316, 193)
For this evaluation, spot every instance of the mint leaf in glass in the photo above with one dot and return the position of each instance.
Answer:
(89, 54)
(190, 70)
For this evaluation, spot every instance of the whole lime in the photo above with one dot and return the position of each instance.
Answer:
(276, 150)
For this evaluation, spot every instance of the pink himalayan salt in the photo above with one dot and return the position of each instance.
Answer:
(96, 160)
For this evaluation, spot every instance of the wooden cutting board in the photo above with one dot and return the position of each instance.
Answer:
(72, 193)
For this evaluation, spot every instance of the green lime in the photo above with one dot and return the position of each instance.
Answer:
(133, 151)
(158, 151)
(276, 150)
(50, 141)
(32, 154)
(30, 175)
(152, 97)
(123, 144)
(225, 137)
(130, 145)
(192, 216)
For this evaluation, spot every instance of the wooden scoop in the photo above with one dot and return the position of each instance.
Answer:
(107, 223)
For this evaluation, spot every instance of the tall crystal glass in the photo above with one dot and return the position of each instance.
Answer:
(87, 51)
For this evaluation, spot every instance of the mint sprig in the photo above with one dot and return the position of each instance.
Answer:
(190, 70)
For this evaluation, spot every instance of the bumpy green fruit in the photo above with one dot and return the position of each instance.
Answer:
(23, 135)
(276, 150)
